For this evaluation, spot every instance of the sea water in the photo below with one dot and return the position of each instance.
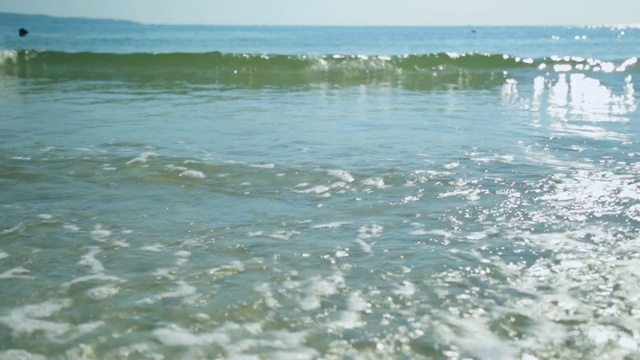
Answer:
(306, 192)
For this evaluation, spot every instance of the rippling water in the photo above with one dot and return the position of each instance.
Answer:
(318, 194)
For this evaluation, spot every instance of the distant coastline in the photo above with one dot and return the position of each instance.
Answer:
(8, 18)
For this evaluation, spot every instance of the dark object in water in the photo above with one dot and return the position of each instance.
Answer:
(23, 32)
(473, 31)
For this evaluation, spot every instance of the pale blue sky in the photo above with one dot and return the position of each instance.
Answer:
(342, 12)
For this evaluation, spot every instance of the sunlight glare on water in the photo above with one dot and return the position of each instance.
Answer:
(427, 196)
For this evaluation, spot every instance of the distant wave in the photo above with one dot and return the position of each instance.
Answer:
(426, 71)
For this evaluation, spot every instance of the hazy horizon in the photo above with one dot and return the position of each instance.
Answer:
(339, 13)
(310, 25)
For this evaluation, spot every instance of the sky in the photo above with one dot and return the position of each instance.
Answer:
(341, 12)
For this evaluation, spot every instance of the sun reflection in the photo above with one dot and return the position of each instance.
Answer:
(629, 98)
(590, 100)
(538, 90)
(584, 98)
(509, 91)
(577, 102)
(558, 97)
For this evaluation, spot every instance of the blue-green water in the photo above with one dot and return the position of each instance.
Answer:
(300, 193)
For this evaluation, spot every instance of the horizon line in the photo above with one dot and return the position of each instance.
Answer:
(615, 25)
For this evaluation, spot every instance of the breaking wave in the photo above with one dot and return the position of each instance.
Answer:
(417, 71)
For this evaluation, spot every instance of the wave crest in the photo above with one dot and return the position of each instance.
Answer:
(424, 71)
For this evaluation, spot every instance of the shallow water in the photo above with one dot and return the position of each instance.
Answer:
(490, 214)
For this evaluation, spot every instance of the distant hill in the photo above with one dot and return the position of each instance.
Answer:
(24, 20)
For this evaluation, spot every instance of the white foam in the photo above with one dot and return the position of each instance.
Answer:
(269, 344)
(153, 248)
(366, 247)
(100, 234)
(280, 234)
(351, 318)
(121, 243)
(468, 193)
(233, 267)
(264, 289)
(16, 273)
(628, 343)
(367, 232)
(338, 184)
(135, 351)
(342, 253)
(409, 199)
(102, 292)
(22, 158)
(287, 346)
(81, 352)
(45, 216)
(264, 166)
(319, 288)
(71, 227)
(142, 158)
(377, 182)
(358, 303)
(438, 232)
(163, 273)
(26, 319)
(13, 229)
(175, 168)
(89, 260)
(342, 175)
(406, 289)
(474, 337)
(174, 335)
(348, 320)
(44, 309)
(310, 302)
(193, 174)
(283, 234)
(19, 354)
(182, 257)
(202, 317)
(100, 277)
(599, 335)
(183, 290)
(183, 254)
(244, 357)
(319, 189)
(332, 225)
(3, 255)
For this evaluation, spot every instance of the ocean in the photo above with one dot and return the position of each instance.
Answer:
(203, 192)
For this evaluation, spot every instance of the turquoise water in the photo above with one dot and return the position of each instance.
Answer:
(301, 193)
